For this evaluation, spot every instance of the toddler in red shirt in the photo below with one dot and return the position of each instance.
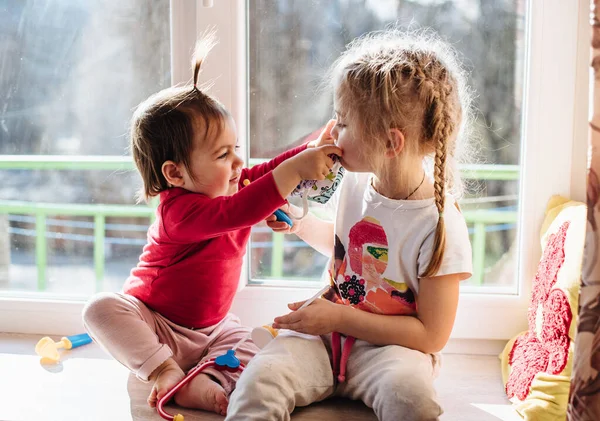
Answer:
(173, 312)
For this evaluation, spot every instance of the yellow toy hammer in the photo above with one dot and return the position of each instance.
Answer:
(48, 349)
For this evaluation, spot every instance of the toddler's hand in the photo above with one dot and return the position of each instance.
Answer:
(310, 164)
(325, 137)
(314, 163)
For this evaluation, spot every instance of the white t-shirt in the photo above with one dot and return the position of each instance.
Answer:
(383, 247)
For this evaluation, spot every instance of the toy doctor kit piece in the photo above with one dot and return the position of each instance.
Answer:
(48, 349)
(318, 191)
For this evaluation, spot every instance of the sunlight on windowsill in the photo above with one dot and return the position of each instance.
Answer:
(67, 390)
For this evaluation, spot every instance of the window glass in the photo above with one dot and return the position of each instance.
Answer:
(71, 73)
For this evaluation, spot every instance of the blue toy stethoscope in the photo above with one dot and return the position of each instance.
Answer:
(229, 361)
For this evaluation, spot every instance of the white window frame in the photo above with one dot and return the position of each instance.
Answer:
(555, 92)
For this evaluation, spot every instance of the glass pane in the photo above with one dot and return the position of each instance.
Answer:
(71, 73)
(292, 43)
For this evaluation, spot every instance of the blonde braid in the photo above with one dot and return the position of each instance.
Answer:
(438, 126)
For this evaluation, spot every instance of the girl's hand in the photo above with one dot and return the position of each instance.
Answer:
(283, 227)
(319, 318)
(325, 137)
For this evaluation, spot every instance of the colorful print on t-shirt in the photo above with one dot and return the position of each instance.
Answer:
(357, 275)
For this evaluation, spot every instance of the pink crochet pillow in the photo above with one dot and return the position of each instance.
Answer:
(537, 363)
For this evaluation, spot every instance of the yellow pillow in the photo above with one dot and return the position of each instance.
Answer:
(537, 364)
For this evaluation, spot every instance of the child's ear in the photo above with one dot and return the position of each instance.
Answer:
(172, 174)
(395, 143)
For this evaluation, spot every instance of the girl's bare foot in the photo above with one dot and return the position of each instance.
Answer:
(165, 377)
(203, 393)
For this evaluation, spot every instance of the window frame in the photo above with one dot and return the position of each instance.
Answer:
(555, 90)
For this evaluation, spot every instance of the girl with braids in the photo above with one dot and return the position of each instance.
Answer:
(173, 312)
(398, 249)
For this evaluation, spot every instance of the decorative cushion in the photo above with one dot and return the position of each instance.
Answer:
(537, 364)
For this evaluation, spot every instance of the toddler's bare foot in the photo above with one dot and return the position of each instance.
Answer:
(165, 377)
(203, 393)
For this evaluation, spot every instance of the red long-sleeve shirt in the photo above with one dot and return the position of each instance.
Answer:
(190, 268)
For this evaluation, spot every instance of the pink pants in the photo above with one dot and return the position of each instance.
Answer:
(142, 339)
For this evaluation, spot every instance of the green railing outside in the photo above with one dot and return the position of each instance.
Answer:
(99, 212)
(479, 218)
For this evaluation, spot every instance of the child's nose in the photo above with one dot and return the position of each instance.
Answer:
(238, 161)
(333, 132)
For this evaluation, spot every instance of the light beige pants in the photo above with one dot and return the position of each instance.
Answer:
(295, 370)
(142, 339)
